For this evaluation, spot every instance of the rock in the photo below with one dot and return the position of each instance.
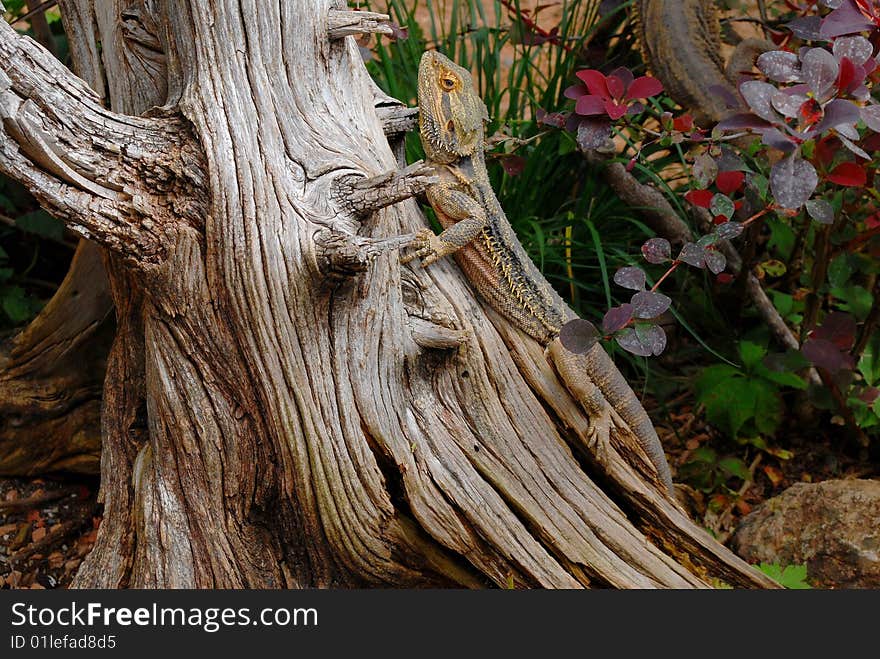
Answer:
(833, 527)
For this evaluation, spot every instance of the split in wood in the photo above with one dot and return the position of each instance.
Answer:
(346, 23)
(362, 196)
(342, 255)
(40, 147)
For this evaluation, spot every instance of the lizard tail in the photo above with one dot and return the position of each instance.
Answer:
(597, 384)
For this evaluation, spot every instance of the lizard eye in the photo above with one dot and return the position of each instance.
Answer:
(447, 83)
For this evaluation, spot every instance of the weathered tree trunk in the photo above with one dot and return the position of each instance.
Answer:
(285, 404)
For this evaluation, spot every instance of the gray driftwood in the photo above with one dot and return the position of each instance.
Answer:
(285, 404)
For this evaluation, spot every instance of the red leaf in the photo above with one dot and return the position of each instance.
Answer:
(614, 110)
(826, 149)
(729, 182)
(616, 86)
(575, 92)
(644, 87)
(588, 105)
(849, 174)
(810, 112)
(847, 74)
(683, 124)
(700, 198)
(724, 278)
(595, 81)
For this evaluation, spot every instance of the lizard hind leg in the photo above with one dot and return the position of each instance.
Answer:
(608, 412)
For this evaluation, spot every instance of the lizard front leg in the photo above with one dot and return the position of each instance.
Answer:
(452, 205)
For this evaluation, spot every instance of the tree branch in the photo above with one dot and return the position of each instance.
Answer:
(124, 182)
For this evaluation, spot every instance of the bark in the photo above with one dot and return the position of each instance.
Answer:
(286, 404)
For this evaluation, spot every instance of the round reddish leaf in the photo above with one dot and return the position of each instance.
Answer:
(614, 110)
(595, 81)
(630, 277)
(849, 174)
(616, 86)
(578, 336)
(700, 198)
(617, 318)
(657, 250)
(644, 87)
(589, 105)
(683, 124)
(650, 304)
(729, 182)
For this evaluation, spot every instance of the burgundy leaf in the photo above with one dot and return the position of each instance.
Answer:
(644, 87)
(617, 318)
(629, 341)
(649, 304)
(575, 91)
(614, 110)
(788, 103)
(780, 66)
(792, 182)
(593, 133)
(616, 86)
(777, 140)
(820, 69)
(728, 230)
(657, 250)
(578, 336)
(590, 105)
(759, 97)
(839, 328)
(871, 116)
(630, 277)
(693, 255)
(857, 49)
(837, 113)
(825, 354)
(513, 165)
(623, 74)
(743, 121)
(595, 81)
(806, 28)
(652, 336)
(844, 20)
(715, 261)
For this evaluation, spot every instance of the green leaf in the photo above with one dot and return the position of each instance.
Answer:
(16, 304)
(6, 273)
(735, 467)
(704, 454)
(793, 577)
(782, 378)
(869, 362)
(39, 222)
(768, 407)
(855, 299)
(722, 205)
(782, 237)
(840, 270)
(751, 354)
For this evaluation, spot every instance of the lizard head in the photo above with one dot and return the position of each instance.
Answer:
(451, 113)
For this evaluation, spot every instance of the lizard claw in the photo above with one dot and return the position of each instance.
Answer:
(600, 435)
(429, 248)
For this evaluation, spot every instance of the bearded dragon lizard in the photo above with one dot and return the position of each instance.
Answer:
(452, 120)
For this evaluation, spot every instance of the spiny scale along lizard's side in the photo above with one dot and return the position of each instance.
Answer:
(452, 120)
